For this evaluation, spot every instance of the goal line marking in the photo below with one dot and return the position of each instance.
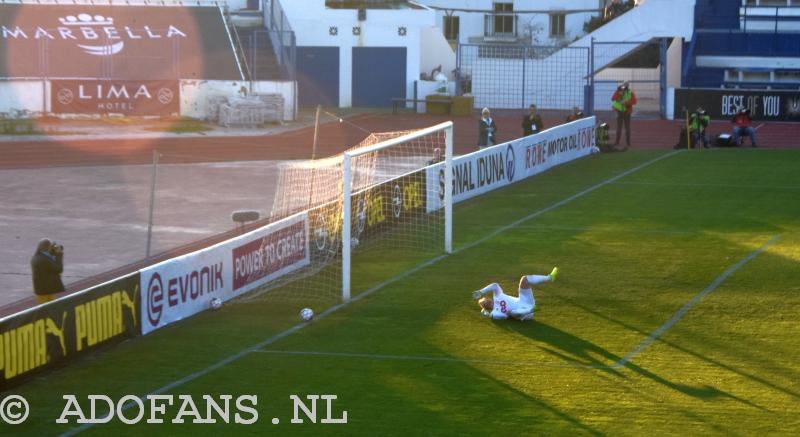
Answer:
(440, 359)
(244, 352)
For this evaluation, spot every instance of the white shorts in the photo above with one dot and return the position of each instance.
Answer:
(526, 301)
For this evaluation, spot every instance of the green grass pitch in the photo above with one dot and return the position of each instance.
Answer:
(619, 347)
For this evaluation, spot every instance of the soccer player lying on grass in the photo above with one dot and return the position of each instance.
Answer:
(504, 306)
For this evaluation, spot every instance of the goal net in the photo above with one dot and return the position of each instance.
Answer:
(364, 208)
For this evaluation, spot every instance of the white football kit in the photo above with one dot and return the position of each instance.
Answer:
(506, 306)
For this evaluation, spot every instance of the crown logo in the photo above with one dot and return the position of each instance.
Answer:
(86, 20)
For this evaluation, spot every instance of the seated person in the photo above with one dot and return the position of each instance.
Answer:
(743, 126)
(576, 114)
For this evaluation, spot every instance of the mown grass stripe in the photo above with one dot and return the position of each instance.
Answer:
(657, 333)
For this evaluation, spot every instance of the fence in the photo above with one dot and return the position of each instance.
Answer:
(642, 64)
(283, 38)
(511, 77)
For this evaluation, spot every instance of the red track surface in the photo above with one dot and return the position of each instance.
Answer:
(334, 137)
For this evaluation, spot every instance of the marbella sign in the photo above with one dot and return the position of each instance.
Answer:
(111, 42)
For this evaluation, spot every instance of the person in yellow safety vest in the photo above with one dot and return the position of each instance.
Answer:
(623, 99)
(601, 139)
(698, 123)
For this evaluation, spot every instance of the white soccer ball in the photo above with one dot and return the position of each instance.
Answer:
(306, 314)
(215, 303)
(595, 150)
(353, 243)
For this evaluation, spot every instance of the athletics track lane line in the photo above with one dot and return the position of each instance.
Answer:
(244, 352)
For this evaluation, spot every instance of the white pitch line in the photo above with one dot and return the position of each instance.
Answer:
(644, 231)
(782, 187)
(646, 342)
(441, 359)
(366, 293)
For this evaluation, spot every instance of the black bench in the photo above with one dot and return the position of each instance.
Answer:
(444, 102)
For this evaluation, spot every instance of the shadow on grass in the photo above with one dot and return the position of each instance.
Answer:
(706, 392)
(580, 351)
(563, 345)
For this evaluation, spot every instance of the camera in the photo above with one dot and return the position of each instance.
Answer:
(57, 247)
(580, 114)
(622, 88)
(744, 111)
(604, 126)
(701, 112)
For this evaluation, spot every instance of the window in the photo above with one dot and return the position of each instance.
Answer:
(451, 28)
(557, 25)
(503, 18)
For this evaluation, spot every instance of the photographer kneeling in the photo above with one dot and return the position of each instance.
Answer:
(698, 122)
(46, 267)
(601, 139)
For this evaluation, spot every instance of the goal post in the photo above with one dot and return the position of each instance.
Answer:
(347, 194)
(359, 213)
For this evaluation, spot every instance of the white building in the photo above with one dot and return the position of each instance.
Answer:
(359, 57)
(545, 22)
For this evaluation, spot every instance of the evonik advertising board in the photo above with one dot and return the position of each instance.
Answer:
(491, 168)
(183, 286)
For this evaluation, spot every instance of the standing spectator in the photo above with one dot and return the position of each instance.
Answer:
(576, 114)
(532, 123)
(46, 267)
(742, 126)
(624, 99)
(486, 130)
(614, 10)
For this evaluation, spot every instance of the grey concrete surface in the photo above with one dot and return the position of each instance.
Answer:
(109, 229)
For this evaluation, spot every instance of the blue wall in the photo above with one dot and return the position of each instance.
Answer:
(379, 75)
(318, 76)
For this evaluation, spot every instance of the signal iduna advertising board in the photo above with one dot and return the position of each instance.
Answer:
(500, 165)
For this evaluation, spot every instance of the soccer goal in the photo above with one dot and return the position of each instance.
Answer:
(384, 198)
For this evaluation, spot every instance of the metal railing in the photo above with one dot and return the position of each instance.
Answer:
(751, 13)
(509, 77)
(283, 38)
(500, 25)
(238, 51)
